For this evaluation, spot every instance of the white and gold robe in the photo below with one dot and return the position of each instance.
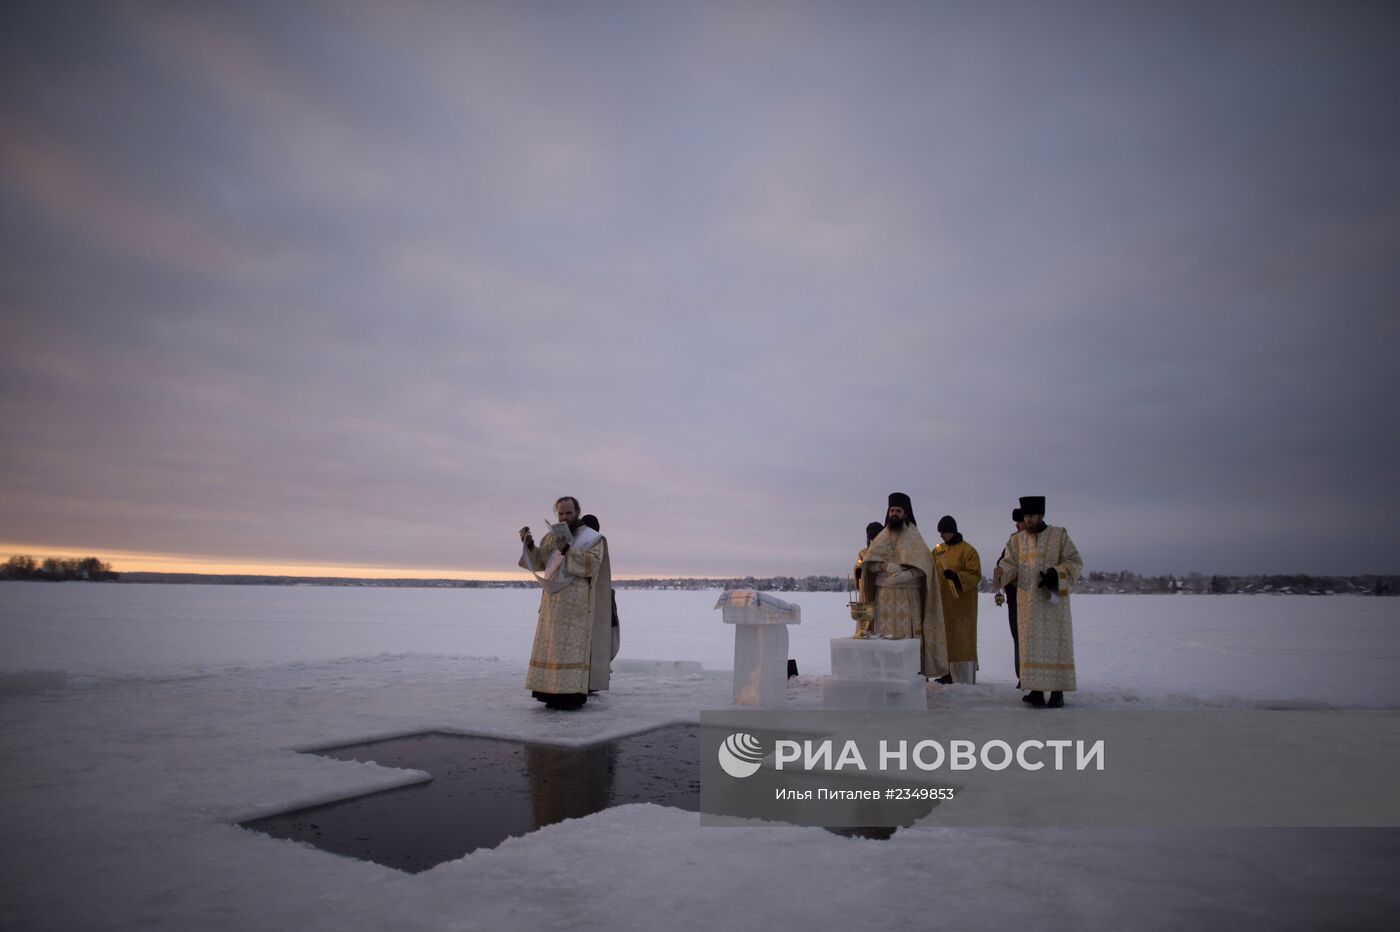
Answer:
(573, 637)
(896, 576)
(1045, 631)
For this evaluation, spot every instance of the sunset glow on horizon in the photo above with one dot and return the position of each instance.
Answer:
(123, 561)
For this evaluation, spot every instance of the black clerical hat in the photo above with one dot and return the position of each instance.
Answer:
(901, 500)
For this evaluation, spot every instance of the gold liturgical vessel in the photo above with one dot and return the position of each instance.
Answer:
(862, 613)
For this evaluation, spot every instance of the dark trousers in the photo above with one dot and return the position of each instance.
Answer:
(1015, 634)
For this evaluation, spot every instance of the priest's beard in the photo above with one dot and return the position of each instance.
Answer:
(575, 525)
(896, 524)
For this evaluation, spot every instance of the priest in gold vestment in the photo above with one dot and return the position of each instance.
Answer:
(573, 637)
(897, 575)
(1043, 564)
(863, 613)
(959, 569)
(872, 530)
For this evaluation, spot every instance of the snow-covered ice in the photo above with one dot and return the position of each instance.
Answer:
(181, 709)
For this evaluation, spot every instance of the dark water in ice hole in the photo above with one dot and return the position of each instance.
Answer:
(485, 790)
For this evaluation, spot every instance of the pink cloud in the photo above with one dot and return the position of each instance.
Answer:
(76, 191)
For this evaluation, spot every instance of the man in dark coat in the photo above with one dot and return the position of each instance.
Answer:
(1008, 595)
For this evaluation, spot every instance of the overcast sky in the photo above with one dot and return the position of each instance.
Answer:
(372, 284)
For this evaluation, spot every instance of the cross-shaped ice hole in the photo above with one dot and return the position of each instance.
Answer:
(485, 790)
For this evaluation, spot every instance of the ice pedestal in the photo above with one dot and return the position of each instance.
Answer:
(874, 674)
(875, 658)
(760, 645)
(908, 694)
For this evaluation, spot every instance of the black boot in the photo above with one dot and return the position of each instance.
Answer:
(1057, 700)
(562, 701)
(1035, 698)
(946, 679)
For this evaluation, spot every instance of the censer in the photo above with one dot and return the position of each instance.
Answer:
(862, 613)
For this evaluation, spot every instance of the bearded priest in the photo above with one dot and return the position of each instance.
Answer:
(573, 637)
(898, 577)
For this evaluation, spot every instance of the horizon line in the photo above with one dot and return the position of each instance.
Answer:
(131, 561)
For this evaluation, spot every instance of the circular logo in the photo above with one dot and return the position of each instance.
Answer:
(740, 754)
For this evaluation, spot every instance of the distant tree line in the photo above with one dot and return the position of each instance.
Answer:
(1201, 584)
(763, 583)
(1124, 581)
(244, 579)
(54, 569)
(1093, 582)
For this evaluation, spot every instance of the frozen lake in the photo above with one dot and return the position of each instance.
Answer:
(185, 709)
(1342, 650)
